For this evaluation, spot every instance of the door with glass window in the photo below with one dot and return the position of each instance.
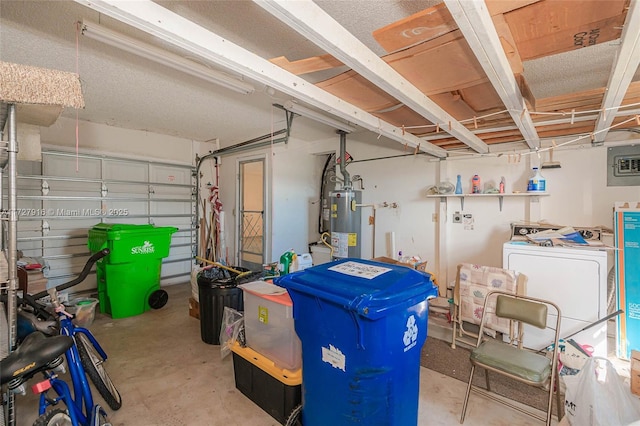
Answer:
(252, 208)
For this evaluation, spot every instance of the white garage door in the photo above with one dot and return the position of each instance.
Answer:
(63, 197)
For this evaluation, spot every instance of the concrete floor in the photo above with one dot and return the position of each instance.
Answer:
(168, 376)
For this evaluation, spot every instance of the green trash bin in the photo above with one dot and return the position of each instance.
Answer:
(129, 277)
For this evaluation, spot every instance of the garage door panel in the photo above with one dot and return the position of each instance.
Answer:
(170, 174)
(70, 166)
(178, 208)
(127, 189)
(90, 189)
(133, 171)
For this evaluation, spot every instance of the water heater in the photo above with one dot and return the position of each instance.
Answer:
(345, 223)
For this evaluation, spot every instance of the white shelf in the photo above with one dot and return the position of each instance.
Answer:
(500, 197)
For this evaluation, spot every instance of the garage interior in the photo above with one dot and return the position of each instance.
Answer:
(219, 118)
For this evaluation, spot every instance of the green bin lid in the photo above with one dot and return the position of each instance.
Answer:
(100, 233)
(114, 229)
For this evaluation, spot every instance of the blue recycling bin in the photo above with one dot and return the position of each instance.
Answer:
(362, 325)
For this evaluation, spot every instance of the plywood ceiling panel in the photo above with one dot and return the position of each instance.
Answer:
(359, 91)
(446, 63)
(402, 116)
(431, 23)
(585, 101)
(551, 27)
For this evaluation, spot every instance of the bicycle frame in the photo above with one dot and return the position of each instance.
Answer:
(82, 410)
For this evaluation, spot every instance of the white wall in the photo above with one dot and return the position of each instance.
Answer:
(578, 194)
(292, 183)
(399, 180)
(122, 142)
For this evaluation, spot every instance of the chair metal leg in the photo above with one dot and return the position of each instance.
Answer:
(553, 381)
(559, 402)
(486, 378)
(466, 396)
(549, 405)
(454, 326)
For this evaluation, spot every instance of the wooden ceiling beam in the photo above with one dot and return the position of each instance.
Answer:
(475, 22)
(307, 65)
(316, 25)
(177, 30)
(624, 68)
(540, 125)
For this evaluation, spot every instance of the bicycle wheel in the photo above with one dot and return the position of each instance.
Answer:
(295, 418)
(57, 417)
(93, 366)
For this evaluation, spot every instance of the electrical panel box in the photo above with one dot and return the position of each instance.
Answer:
(623, 166)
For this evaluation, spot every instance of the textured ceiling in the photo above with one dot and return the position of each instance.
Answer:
(127, 91)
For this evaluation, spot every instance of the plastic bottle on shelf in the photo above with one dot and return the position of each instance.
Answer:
(502, 182)
(537, 183)
(475, 184)
(459, 185)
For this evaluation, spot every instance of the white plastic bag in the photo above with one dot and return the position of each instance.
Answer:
(598, 396)
(231, 330)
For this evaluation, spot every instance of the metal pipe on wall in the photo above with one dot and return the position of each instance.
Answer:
(12, 250)
(346, 183)
(259, 142)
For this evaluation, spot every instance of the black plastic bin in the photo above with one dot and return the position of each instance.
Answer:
(217, 288)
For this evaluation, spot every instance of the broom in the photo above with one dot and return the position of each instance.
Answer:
(550, 164)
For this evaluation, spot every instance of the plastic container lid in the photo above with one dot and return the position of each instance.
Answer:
(369, 288)
(268, 291)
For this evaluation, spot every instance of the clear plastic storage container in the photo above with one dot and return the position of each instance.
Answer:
(269, 326)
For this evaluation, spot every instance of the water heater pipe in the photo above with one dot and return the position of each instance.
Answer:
(343, 163)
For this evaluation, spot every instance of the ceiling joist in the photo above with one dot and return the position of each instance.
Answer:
(624, 67)
(475, 22)
(315, 24)
(154, 19)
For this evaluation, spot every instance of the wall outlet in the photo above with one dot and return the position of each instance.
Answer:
(457, 217)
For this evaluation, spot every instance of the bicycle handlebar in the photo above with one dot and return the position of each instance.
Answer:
(83, 274)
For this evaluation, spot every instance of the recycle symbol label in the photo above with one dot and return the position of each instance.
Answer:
(411, 333)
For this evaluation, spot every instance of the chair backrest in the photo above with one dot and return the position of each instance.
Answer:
(527, 311)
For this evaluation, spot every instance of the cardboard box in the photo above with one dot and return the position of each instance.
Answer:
(194, 308)
(635, 372)
(420, 266)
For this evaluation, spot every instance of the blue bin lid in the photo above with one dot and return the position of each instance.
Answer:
(367, 287)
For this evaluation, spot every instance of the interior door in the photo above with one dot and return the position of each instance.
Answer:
(251, 242)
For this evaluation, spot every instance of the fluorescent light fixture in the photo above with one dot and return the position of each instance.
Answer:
(163, 57)
(320, 118)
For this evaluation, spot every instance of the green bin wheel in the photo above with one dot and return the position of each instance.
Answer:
(158, 299)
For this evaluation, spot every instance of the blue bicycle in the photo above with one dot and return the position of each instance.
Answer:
(84, 355)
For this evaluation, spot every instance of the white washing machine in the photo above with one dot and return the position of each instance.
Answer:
(573, 278)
